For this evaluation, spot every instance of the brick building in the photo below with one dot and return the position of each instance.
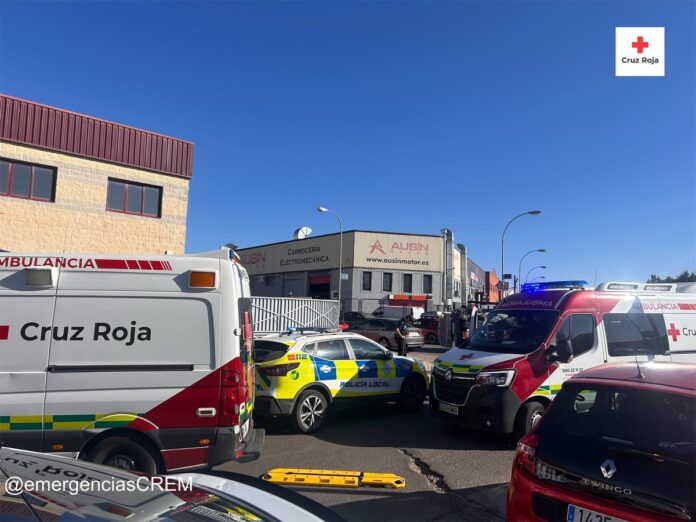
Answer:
(74, 183)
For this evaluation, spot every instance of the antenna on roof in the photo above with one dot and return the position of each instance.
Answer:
(640, 373)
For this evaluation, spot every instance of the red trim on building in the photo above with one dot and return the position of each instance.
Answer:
(37, 125)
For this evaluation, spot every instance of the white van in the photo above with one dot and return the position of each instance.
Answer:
(532, 342)
(143, 363)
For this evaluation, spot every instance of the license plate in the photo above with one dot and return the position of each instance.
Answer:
(579, 514)
(453, 410)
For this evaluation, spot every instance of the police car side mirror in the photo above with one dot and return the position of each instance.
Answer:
(388, 355)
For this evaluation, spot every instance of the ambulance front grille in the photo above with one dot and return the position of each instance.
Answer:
(454, 391)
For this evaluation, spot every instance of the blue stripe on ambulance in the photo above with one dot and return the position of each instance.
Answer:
(324, 370)
(367, 369)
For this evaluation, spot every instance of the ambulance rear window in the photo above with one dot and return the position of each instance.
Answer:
(269, 350)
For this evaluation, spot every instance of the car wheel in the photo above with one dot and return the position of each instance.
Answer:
(412, 395)
(384, 342)
(310, 411)
(123, 453)
(431, 339)
(527, 418)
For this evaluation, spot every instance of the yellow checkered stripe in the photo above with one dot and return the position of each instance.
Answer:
(459, 368)
(65, 422)
(548, 390)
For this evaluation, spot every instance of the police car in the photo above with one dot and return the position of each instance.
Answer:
(302, 374)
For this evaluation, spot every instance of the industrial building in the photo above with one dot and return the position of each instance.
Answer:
(75, 183)
(379, 268)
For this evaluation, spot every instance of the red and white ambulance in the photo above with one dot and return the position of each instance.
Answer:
(143, 363)
(531, 342)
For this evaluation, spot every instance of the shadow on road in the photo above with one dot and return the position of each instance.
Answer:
(386, 426)
(477, 504)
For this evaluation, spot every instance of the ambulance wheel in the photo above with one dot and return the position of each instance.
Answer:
(310, 411)
(527, 418)
(412, 395)
(431, 339)
(123, 453)
(384, 342)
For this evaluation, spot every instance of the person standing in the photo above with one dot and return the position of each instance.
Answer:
(400, 338)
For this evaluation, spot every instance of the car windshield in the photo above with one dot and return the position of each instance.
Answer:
(269, 350)
(513, 331)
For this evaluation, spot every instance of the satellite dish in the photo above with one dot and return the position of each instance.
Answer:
(302, 233)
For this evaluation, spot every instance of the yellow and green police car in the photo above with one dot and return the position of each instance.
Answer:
(303, 374)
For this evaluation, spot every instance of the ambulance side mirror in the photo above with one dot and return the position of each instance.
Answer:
(562, 351)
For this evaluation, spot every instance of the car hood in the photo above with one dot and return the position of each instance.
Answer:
(470, 362)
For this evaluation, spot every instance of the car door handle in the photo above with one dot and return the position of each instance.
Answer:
(206, 412)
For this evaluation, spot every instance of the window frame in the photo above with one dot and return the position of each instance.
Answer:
(569, 319)
(142, 186)
(391, 281)
(428, 277)
(368, 274)
(33, 166)
(346, 347)
(371, 344)
(403, 283)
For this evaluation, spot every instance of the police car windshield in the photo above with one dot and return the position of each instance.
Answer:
(269, 350)
(513, 331)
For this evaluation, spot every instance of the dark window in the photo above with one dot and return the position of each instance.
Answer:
(22, 180)
(367, 281)
(333, 350)
(387, 282)
(309, 348)
(269, 350)
(408, 283)
(579, 329)
(513, 331)
(134, 198)
(635, 334)
(364, 349)
(427, 284)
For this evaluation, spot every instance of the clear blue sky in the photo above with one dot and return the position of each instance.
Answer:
(401, 116)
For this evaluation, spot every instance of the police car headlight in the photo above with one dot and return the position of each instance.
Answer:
(501, 378)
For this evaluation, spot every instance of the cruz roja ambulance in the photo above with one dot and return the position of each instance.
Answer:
(143, 363)
(532, 342)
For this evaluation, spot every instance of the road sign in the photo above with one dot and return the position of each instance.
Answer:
(344, 276)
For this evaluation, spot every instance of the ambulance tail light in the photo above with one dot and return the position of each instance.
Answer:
(232, 396)
(201, 279)
(525, 455)
(277, 370)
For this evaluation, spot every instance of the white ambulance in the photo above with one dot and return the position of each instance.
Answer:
(142, 363)
(532, 342)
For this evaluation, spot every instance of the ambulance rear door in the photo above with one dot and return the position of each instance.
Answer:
(27, 299)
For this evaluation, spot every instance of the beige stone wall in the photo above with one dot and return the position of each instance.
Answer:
(77, 221)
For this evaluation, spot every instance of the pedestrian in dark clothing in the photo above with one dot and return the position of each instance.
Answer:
(400, 338)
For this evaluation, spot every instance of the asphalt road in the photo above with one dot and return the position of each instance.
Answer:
(451, 473)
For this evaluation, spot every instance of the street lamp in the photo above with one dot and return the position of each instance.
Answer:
(340, 253)
(543, 267)
(502, 244)
(537, 277)
(519, 268)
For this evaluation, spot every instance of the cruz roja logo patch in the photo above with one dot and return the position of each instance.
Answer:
(640, 51)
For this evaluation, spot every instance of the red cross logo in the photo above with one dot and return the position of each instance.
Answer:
(466, 356)
(673, 332)
(639, 44)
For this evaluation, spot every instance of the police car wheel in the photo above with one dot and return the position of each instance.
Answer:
(412, 395)
(310, 411)
(123, 453)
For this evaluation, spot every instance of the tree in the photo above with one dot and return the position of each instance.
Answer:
(684, 277)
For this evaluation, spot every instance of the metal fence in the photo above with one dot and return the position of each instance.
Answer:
(277, 314)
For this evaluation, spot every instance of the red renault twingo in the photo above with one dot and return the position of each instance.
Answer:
(617, 444)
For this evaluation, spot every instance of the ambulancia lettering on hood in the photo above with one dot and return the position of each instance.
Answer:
(466, 361)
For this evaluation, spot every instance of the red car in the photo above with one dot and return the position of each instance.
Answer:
(428, 328)
(617, 444)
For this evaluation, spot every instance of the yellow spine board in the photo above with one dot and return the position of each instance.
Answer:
(333, 478)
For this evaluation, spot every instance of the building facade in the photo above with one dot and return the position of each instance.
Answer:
(74, 183)
(379, 268)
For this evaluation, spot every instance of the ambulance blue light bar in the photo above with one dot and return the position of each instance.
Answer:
(529, 288)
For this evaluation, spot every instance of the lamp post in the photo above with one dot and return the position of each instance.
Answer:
(340, 254)
(537, 277)
(519, 268)
(502, 245)
(526, 279)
